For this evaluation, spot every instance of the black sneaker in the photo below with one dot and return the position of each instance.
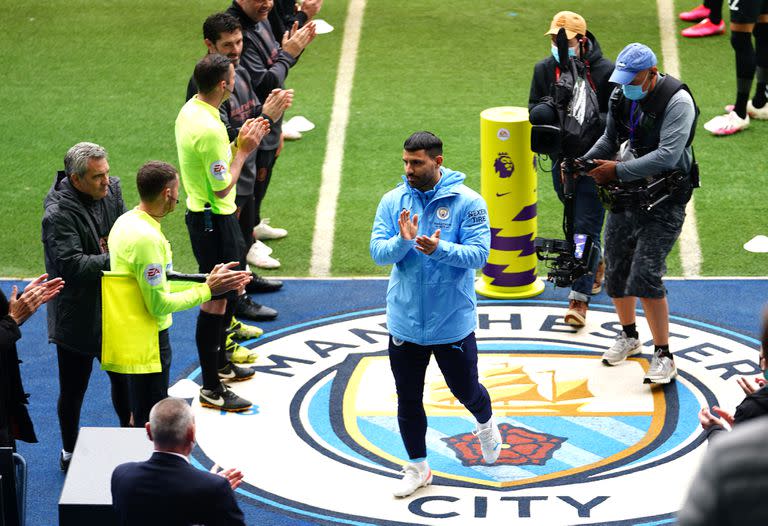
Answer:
(259, 284)
(223, 399)
(250, 310)
(233, 373)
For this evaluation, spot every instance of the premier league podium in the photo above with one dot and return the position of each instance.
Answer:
(87, 496)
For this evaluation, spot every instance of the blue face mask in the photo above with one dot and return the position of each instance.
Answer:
(634, 92)
(571, 53)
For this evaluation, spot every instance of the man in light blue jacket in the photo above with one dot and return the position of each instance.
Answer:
(435, 233)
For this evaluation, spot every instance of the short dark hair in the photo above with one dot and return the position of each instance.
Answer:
(424, 140)
(210, 70)
(153, 178)
(219, 23)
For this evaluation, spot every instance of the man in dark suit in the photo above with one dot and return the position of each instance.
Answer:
(166, 490)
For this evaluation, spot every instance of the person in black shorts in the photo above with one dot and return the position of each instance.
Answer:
(209, 171)
(749, 18)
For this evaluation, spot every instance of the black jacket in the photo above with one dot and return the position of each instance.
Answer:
(167, 491)
(14, 418)
(283, 15)
(262, 57)
(75, 231)
(600, 70)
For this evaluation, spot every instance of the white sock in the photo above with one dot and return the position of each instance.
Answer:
(422, 466)
(66, 455)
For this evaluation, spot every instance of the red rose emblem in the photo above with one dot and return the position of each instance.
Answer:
(519, 447)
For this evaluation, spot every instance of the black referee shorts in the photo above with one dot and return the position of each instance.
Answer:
(747, 11)
(222, 244)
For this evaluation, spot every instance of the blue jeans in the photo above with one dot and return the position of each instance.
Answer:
(588, 215)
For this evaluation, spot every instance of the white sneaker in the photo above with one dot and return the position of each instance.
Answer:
(257, 258)
(261, 248)
(264, 231)
(760, 114)
(621, 349)
(490, 441)
(661, 371)
(413, 479)
(727, 124)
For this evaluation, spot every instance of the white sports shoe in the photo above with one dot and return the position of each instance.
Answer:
(258, 258)
(621, 349)
(261, 248)
(490, 441)
(661, 371)
(264, 231)
(727, 124)
(413, 479)
(760, 114)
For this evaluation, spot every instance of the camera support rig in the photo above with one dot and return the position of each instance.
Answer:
(568, 259)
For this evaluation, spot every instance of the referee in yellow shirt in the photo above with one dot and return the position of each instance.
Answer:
(138, 247)
(210, 167)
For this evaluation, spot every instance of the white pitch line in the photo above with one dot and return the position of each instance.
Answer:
(690, 248)
(325, 215)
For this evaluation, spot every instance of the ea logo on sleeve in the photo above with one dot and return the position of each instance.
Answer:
(219, 170)
(153, 274)
(580, 439)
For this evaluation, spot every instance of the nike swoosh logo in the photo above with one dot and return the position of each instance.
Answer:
(226, 376)
(215, 401)
(502, 195)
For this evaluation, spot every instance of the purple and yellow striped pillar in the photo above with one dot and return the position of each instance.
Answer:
(508, 185)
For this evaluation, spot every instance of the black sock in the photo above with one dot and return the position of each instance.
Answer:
(207, 337)
(760, 32)
(746, 63)
(223, 359)
(741, 104)
(630, 330)
(715, 11)
(663, 350)
(761, 97)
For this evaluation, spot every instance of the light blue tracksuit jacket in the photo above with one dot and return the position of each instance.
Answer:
(431, 299)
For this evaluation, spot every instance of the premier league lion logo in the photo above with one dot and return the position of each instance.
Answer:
(504, 165)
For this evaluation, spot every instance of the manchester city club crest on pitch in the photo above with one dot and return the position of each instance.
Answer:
(581, 441)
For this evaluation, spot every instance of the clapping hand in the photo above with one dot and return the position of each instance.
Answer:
(277, 102)
(233, 475)
(749, 387)
(408, 227)
(38, 291)
(428, 244)
(223, 279)
(708, 420)
(295, 40)
(251, 134)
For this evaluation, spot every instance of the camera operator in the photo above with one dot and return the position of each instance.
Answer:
(588, 212)
(650, 125)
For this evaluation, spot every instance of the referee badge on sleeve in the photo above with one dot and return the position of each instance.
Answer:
(153, 274)
(219, 170)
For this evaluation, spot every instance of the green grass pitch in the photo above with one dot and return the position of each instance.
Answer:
(115, 72)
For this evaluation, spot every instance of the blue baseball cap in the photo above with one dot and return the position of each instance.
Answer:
(632, 60)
